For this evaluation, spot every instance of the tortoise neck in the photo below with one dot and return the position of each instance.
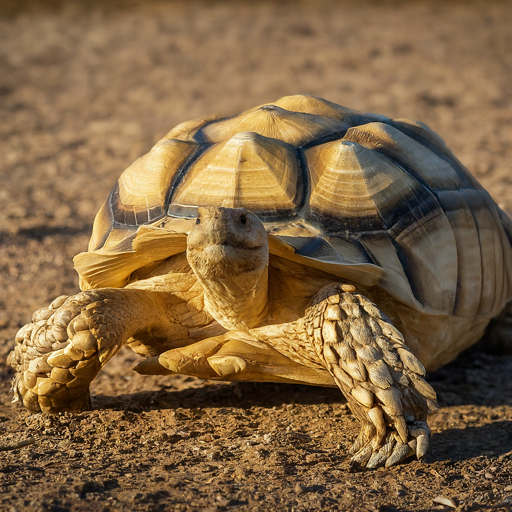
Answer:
(238, 302)
(228, 250)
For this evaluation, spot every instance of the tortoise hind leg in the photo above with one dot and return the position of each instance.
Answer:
(238, 360)
(188, 360)
(225, 358)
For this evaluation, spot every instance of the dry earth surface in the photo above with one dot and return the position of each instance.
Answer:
(85, 88)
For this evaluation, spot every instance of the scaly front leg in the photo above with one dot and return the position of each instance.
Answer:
(63, 349)
(380, 377)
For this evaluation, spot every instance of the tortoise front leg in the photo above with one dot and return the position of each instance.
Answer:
(63, 349)
(380, 377)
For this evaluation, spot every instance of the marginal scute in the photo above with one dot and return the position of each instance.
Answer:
(294, 128)
(380, 247)
(119, 239)
(469, 256)
(101, 227)
(248, 170)
(495, 283)
(420, 238)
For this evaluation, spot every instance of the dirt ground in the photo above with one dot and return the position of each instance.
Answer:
(87, 87)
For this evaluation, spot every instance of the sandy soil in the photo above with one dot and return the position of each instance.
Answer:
(86, 90)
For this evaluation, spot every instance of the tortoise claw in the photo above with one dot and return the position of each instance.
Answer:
(400, 453)
(377, 459)
(393, 451)
(363, 455)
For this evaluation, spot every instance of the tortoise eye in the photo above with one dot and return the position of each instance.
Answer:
(198, 220)
(243, 219)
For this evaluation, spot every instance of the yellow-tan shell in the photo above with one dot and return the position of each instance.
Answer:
(375, 200)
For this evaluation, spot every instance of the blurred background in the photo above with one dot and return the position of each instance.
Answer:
(88, 86)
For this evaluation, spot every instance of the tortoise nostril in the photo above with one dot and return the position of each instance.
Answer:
(243, 219)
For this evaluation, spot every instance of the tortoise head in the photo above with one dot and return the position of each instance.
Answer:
(228, 251)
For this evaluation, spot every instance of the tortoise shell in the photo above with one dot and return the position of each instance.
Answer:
(361, 196)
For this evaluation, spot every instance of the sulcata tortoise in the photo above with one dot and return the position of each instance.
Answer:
(299, 242)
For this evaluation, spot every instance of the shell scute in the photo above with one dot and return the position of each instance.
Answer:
(308, 104)
(250, 170)
(187, 130)
(141, 191)
(296, 128)
(355, 188)
(422, 163)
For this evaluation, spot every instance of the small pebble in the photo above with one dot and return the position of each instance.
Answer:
(508, 488)
(299, 489)
(240, 474)
(214, 455)
(447, 502)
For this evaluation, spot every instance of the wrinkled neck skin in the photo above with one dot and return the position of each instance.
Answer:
(237, 303)
(228, 252)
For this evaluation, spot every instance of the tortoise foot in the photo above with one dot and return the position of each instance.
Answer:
(60, 352)
(368, 451)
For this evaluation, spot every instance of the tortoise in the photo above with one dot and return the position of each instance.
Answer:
(299, 242)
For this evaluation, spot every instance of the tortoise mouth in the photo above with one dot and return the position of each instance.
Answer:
(230, 250)
(233, 240)
(226, 259)
(239, 246)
